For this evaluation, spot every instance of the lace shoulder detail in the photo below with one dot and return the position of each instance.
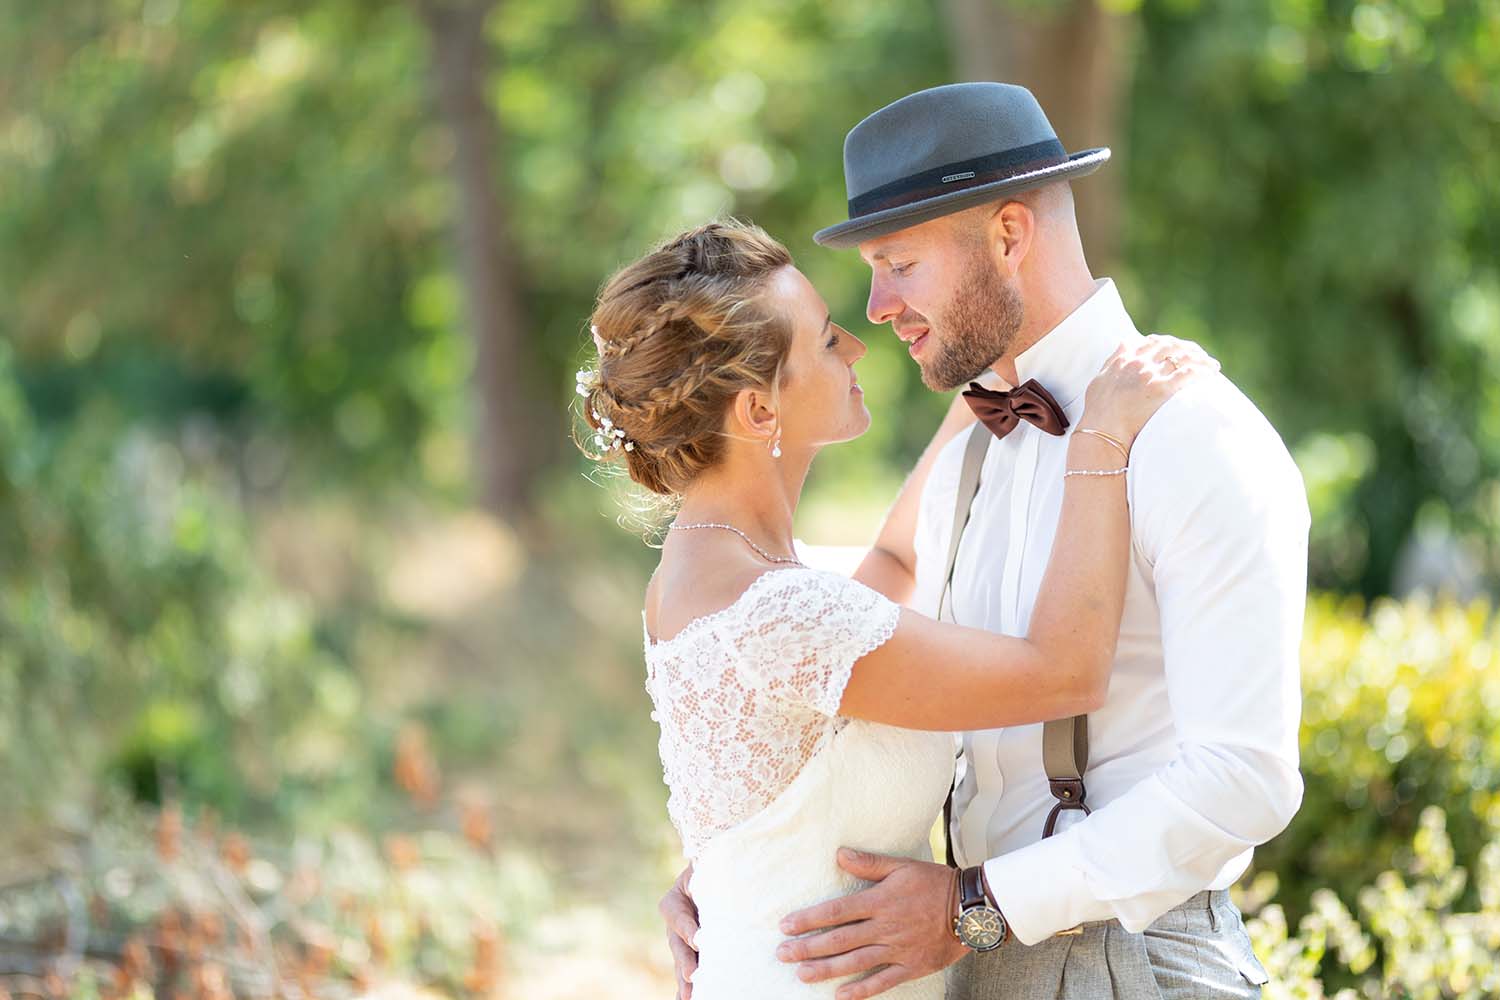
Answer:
(802, 632)
(747, 695)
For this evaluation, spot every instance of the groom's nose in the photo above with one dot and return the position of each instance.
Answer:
(883, 305)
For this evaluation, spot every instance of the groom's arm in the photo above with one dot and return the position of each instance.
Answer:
(1220, 510)
(890, 567)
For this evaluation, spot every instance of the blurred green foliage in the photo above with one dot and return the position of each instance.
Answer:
(1315, 193)
(1398, 716)
(239, 213)
(1408, 938)
(142, 639)
(149, 648)
(224, 211)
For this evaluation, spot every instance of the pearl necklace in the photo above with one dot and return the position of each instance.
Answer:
(729, 527)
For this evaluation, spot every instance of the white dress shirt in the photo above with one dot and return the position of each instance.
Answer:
(1193, 758)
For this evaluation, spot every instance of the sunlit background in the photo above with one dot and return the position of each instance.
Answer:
(319, 655)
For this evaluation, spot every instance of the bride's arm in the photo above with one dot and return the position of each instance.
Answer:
(891, 564)
(931, 675)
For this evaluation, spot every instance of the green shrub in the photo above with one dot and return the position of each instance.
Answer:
(1399, 715)
(143, 647)
(1410, 940)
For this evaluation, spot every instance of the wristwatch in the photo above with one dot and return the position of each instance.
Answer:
(977, 925)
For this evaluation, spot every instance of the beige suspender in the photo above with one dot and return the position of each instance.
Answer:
(968, 485)
(1065, 742)
(1065, 756)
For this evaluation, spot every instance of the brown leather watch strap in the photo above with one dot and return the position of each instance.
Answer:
(955, 900)
(984, 885)
(971, 888)
(974, 890)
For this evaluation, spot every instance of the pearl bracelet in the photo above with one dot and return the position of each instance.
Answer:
(1096, 472)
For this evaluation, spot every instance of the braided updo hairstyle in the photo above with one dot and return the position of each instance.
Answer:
(682, 331)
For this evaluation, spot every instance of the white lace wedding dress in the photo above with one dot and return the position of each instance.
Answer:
(767, 781)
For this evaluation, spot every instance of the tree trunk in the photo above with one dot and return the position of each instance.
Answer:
(505, 422)
(1074, 57)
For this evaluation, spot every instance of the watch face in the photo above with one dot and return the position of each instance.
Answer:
(981, 928)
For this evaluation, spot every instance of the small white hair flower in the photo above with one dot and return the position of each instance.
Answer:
(609, 437)
(585, 380)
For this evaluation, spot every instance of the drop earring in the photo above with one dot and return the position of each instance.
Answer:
(776, 444)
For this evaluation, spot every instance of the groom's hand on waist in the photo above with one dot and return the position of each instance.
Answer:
(681, 917)
(903, 922)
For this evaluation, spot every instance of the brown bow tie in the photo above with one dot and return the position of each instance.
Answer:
(1001, 411)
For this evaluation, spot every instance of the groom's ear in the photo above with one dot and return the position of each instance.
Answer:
(1009, 233)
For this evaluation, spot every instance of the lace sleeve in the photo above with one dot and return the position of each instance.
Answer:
(806, 629)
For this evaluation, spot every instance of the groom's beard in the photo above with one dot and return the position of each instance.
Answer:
(977, 328)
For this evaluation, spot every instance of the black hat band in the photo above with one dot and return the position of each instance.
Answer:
(958, 176)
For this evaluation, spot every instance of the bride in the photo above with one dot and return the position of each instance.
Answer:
(802, 710)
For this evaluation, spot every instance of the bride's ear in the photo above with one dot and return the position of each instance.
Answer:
(753, 415)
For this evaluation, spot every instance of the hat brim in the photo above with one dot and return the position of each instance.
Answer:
(855, 231)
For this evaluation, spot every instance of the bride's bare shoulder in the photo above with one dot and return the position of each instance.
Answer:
(689, 585)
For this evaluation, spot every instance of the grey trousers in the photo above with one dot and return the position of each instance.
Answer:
(1198, 950)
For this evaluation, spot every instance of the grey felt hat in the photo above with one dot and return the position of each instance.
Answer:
(942, 150)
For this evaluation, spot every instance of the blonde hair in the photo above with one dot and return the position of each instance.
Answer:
(682, 331)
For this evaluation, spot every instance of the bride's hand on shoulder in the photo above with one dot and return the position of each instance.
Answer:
(1137, 379)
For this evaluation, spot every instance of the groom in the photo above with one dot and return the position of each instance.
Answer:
(959, 201)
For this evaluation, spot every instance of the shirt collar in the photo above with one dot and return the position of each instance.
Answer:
(1068, 356)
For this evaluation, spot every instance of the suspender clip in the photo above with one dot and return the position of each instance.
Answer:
(1069, 793)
